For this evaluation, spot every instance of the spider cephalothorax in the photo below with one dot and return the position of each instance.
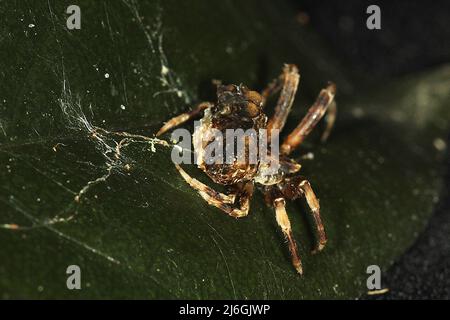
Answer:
(237, 107)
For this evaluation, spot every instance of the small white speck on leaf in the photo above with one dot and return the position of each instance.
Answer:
(358, 112)
(164, 70)
(335, 288)
(439, 144)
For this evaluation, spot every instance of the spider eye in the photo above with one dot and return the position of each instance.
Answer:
(243, 89)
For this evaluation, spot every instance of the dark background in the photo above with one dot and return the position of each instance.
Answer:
(414, 36)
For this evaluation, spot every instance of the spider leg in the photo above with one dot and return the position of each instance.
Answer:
(274, 197)
(296, 186)
(176, 121)
(273, 87)
(219, 200)
(285, 225)
(323, 103)
(314, 206)
(288, 83)
(329, 119)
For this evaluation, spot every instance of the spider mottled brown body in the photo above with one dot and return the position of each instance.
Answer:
(240, 108)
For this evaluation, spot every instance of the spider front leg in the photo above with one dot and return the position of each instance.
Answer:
(288, 83)
(314, 206)
(176, 121)
(222, 201)
(297, 186)
(324, 103)
(274, 198)
(285, 225)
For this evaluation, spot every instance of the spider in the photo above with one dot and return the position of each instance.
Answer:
(239, 107)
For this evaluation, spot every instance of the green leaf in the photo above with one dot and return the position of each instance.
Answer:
(130, 221)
